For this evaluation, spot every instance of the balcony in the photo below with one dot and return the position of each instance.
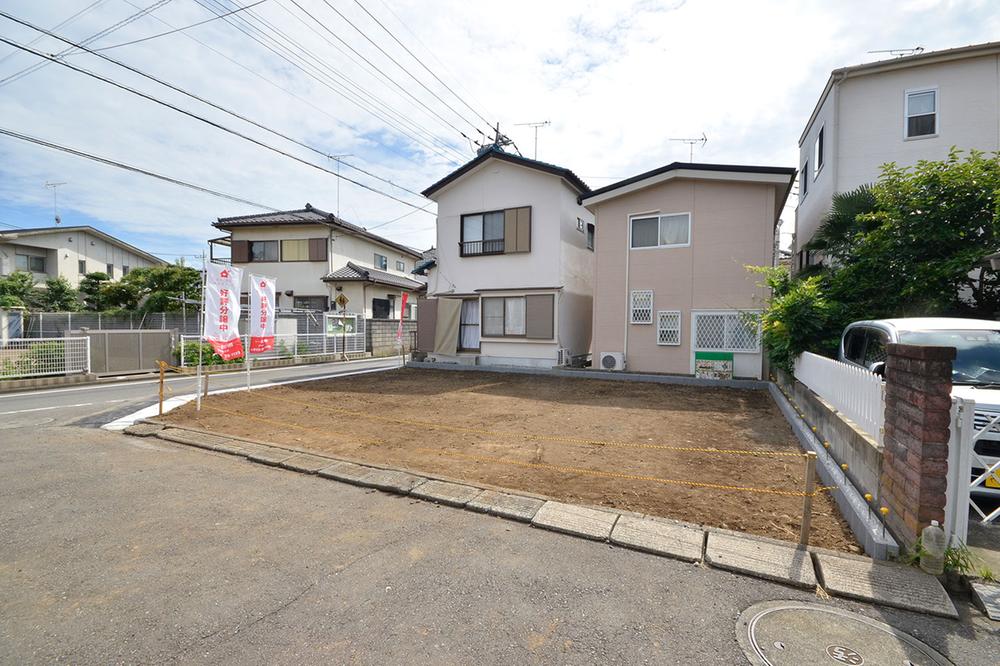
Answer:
(481, 247)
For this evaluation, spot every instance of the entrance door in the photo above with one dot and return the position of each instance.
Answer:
(468, 333)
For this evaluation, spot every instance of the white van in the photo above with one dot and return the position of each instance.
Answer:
(975, 372)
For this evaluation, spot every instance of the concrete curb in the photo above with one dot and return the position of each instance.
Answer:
(744, 554)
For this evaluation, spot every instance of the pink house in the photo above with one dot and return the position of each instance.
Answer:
(671, 291)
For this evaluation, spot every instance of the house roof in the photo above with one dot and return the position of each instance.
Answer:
(355, 273)
(309, 215)
(879, 66)
(571, 178)
(736, 172)
(424, 265)
(13, 234)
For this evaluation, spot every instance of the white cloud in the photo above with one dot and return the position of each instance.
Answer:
(617, 81)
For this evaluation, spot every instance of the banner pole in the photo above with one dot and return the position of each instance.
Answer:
(246, 351)
(201, 333)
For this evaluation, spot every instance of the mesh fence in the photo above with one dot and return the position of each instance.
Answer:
(39, 357)
(58, 324)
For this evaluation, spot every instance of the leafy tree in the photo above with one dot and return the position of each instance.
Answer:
(91, 286)
(58, 296)
(120, 295)
(16, 289)
(156, 287)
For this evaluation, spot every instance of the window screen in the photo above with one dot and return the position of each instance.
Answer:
(295, 250)
(641, 310)
(727, 331)
(668, 327)
(493, 311)
(921, 113)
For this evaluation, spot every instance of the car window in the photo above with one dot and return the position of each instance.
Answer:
(875, 351)
(854, 344)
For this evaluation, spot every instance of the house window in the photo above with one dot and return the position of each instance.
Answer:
(295, 250)
(668, 327)
(381, 261)
(496, 232)
(590, 236)
(309, 303)
(579, 225)
(380, 308)
(29, 263)
(125, 270)
(641, 307)
(727, 331)
(468, 327)
(110, 270)
(804, 181)
(263, 250)
(81, 266)
(921, 113)
(661, 231)
(401, 266)
(818, 153)
(503, 316)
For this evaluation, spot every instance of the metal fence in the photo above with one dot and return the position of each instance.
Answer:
(299, 345)
(58, 324)
(855, 392)
(39, 357)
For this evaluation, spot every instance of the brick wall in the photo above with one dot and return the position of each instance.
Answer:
(381, 336)
(917, 420)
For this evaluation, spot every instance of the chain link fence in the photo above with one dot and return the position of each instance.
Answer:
(58, 324)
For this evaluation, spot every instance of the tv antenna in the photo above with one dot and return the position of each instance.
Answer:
(499, 141)
(703, 139)
(337, 159)
(536, 125)
(55, 199)
(900, 53)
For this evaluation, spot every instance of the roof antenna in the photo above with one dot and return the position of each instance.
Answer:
(901, 53)
(536, 125)
(499, 141)
(703, 139)
(55, 199)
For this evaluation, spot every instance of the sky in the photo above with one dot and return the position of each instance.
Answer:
(404, 88)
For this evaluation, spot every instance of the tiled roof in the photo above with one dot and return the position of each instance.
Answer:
(309, 215)
(567, 175)
(354, 273)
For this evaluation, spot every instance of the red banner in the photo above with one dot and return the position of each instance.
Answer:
(222, 310)
(402, 313)
(261, 322)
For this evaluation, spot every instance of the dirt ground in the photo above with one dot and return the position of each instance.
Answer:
(605, 443)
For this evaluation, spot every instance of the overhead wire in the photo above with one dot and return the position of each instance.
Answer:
(175, 30)
(61, 24)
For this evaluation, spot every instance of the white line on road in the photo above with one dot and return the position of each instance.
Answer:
(79, 404)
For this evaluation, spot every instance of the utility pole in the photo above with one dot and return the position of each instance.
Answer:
(703, 139)
(55, 199)
(536, 125)
(337, 159)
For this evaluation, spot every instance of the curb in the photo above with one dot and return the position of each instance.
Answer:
(642, 533)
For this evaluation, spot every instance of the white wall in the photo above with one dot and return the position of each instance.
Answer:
(869, 116)
(576, 302)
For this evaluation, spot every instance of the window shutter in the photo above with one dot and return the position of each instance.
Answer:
(539, 316)
(510, 230)
(524, 229)
(240, 251)
(317, 249)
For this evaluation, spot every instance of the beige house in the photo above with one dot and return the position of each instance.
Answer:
(671, 291)
(316, 257)
(69, 252)
(898, 110)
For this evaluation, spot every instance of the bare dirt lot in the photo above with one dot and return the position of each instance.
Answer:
(624, 445)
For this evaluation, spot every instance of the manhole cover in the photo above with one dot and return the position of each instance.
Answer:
(780, 633)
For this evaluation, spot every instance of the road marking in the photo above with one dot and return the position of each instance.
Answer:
(235, 374)
(42, 409)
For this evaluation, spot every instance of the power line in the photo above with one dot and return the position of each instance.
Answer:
(200, 99)
(134, 169)
(57, 26)
(327, 83)
(103, 33)
(170, 32)
(414, 56)
(207, 121)
(397, 219)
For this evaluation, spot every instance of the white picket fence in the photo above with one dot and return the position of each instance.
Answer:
(854, 392)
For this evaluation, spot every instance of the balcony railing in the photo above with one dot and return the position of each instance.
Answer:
(481, 247)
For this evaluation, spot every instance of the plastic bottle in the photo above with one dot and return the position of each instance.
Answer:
(933, 541)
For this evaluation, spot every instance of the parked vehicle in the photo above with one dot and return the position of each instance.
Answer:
(975, 372)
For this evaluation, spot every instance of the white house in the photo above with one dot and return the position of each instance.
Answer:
(69, 252)
(512, 280)
(316, 256)
(901, 110)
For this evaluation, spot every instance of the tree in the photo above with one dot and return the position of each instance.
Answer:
(156, 288)
(91, 286)
(58, 296)
(911, 244)
(15, 289)
(120, 295)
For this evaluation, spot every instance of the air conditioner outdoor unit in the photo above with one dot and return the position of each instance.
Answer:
(612, 361)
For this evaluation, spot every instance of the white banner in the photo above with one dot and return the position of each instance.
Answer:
(261, 322)
(222, 310)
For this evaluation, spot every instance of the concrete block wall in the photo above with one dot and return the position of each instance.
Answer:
(917, 423)
(381, 334)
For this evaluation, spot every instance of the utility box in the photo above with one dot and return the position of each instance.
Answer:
(713, 365)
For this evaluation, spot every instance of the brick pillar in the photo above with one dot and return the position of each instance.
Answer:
(917, 421)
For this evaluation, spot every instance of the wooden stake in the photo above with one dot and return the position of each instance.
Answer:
(807, 499)
(163, 370)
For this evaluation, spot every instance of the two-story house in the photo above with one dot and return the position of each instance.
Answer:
(316, 256)
(672, 292)
(901, 110)
(512, 279)
(70, 253)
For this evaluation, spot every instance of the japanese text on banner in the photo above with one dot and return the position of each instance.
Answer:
(222, 310)
(262, 290)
